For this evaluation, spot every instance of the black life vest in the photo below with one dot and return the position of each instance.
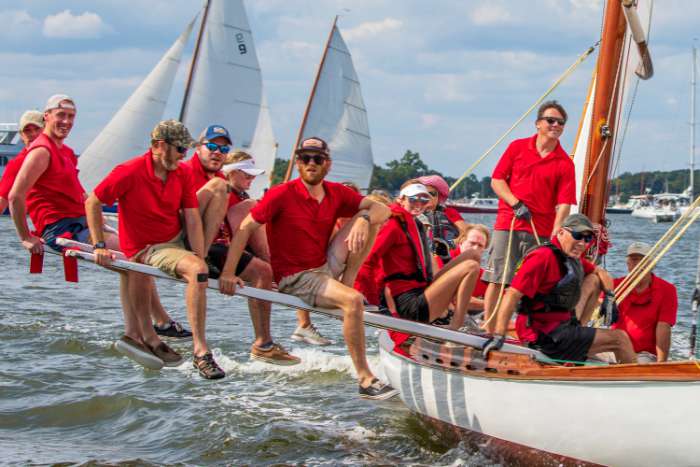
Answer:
(565, 295)
(421, 274)
(444, 234)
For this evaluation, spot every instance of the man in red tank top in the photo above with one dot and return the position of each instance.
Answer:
(31, 124)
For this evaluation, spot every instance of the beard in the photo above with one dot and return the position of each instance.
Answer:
(314, 178)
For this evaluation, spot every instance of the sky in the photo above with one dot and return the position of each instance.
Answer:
(443, 78)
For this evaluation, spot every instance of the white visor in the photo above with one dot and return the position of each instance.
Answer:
(414, 189)
(247, 166)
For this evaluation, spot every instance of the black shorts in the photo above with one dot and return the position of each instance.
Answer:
(217, 257)
(569, 341)
(413, 305)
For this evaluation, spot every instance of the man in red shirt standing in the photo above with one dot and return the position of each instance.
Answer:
(152, 190)
(30, 126)
(553, 292)
(301, 215)
(215, 202)
(649, 311)
(535, 182)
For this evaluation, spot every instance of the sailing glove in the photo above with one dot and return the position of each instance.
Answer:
(608, 308)
(494, 343)
(521, 211)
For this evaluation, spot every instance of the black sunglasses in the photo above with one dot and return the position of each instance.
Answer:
(585, 236)
(553, 120)
(318, 159)
(179, 149)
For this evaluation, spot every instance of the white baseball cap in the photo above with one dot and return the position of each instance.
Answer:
(638, 248)
(247, 166)
(31, 117)
(414, 189)
(57, 101)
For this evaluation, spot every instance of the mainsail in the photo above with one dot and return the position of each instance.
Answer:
(337, 113)
(126, 135)
(263, 148)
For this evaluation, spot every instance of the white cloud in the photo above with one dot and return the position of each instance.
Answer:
(66, 25)
(489, 14)
(372, 28)
(429, 120)
(17, 24)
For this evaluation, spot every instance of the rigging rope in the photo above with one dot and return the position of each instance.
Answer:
(556, 84)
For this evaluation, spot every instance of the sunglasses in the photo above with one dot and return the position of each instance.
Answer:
(417, 199)
(433, 193)
(578, 236)
(222, 148)
(553, 120)
(318, 159)
(179, 149)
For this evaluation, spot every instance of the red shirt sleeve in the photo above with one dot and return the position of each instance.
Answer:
(566, 186)
(114, 185)
(533, 271)
(349, 201)
(588, 267)
(453, 215)
(669, 310)
(504, 167)
(368, 282)
(189, 193)
(264, 211)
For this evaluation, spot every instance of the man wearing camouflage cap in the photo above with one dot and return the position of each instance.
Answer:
(152, 190)
(554, 291)
(30, 126)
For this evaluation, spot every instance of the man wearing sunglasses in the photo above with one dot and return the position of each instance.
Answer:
(649, 311)
(535, 183)
(153, 190)
(300, 217)
(553, 292)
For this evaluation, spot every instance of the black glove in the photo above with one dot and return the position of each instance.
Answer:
(521, 211)
(608, 309)
(494, 343)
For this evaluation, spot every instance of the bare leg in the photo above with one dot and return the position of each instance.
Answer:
(613, 340)
(336, 295)
(196, 298)
(338, 252)
(213, 200)
(490, 299)
(303, 318)
(258, 240)
(590, 291)
(259, 274)
(456, 281)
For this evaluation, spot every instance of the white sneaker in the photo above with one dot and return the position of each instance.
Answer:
(309, 335)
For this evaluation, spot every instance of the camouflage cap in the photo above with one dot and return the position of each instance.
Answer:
(173, 132)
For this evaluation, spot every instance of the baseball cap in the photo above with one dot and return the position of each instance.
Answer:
(638, 248)
(247, 166)
(31, 117)
(172, 132)
(438, 183)
(57, 101)
(414, 189)
(214, 131)
(313, 144)
(578, 223)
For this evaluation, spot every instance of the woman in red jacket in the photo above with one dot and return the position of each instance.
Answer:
(400, 260)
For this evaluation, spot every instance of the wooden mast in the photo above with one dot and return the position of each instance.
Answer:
(193, 64)
(594, 193)
(288, 174)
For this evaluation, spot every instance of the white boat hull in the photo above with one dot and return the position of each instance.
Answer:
(656, 215)
(612, 423)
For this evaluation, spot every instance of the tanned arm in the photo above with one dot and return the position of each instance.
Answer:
(228, 279)
(93, 212)
(359, 233)
(35, 164)
(511, 297)
(663, 341)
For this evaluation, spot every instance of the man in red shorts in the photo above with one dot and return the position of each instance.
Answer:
(535, 182)
(553, 292)
(31, 125)
(152, 190)
(301, 215)
(649, 311)
(215, 202)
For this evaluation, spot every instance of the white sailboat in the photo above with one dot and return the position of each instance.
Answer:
(224, 86)
(336, 113)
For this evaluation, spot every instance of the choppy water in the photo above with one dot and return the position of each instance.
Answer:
(67, 397)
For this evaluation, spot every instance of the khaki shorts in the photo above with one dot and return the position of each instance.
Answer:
(165, 256)
(309, 284)
(521, 244)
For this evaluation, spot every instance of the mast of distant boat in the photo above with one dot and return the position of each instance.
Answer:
(193, 64)
(696, 293)
(290, 167)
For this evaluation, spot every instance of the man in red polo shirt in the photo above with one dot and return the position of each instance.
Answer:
(30, 126)
(214, 203)
(152, 190)
(535, 182)
(649, 311)
(301, 215)
(554, 289)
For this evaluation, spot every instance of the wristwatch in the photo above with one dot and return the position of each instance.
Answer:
(366, 217)
(100, 245)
